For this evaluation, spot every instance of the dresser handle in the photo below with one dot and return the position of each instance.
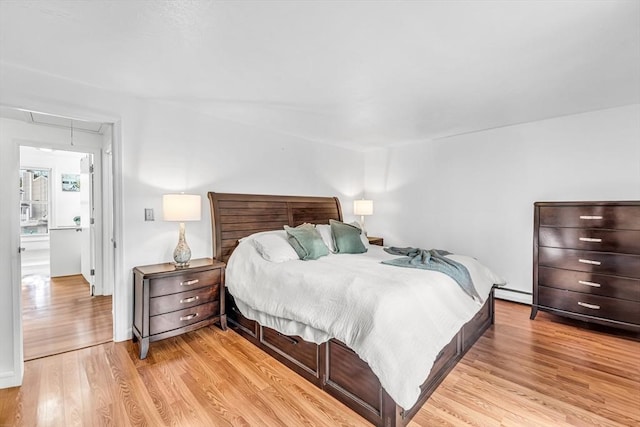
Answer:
(189, 282)
(590, 217)
(590, 239)
(588, 261)
(593, 306)
(191, 316)
(190, 299)
(584, 282)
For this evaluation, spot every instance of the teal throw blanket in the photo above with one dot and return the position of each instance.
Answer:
(434, 259)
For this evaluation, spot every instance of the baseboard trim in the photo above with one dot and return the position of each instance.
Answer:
(514, 295)
(10, 379)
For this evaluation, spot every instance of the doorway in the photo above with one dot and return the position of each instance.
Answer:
(64, 222)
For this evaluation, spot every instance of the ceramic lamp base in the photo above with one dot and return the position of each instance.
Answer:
(182, 252)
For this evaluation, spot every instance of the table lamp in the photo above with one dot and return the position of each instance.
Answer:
(181, 207)
(363, 207)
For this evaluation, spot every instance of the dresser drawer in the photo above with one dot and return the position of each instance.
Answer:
(173, 302)
(590, 261)
(591, 239)
(183, 282)
(589, 283)
(591, 216)
(181, 318)
(293, 348)
(590, 305)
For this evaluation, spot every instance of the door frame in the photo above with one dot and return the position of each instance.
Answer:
(114, 242)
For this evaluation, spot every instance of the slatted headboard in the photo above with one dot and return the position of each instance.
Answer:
(234, 216)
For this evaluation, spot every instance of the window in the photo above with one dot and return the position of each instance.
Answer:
(34, 201)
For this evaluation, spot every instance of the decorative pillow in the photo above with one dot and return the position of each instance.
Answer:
(274, 247)
(306, 241)
(327, 238)
(346, 238)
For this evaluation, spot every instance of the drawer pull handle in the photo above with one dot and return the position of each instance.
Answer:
(590, 239)
(288, 338)
(590, 217)
(588, 261)
(584, 282)
(189, 317)
(189, 282)
(587, 305)
(190, 299)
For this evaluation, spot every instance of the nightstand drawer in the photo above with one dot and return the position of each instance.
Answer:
(182, 300)
(181, 318)
(183, 282)
(590, 305)
(294, 348)
(378, 241)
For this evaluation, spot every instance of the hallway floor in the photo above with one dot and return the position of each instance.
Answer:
(59, 315)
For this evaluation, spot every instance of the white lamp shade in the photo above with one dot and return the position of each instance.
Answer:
(363, 207)
(181, 207)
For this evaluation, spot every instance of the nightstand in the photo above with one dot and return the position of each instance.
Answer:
(169, 301)
(376, 240)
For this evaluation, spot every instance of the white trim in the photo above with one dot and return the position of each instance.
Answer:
(119, 306)
(510, 295)
(14, 378)
(121, 322)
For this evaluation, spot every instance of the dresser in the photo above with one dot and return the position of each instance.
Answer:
(586, 261)
(170, 301)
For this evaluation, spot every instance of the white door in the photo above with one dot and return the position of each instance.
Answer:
(87, 222)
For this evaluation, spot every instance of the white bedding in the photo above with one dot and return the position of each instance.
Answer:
(365, 304)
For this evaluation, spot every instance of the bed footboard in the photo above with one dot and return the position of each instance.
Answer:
(339, 371)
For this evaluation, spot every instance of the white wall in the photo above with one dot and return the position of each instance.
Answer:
(474, 193)
(165, 148)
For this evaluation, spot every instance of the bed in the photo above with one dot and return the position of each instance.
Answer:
(330, 365)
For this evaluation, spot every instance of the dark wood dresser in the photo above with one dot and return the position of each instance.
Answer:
(586, 261)
(169, 301)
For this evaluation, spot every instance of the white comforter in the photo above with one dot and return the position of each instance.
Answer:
(369, 306)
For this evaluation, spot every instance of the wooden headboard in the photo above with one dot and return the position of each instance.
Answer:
(234, 216)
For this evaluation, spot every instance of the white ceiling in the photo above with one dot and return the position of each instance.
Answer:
(353, 73)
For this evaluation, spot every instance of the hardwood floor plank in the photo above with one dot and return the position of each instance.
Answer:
(80, 320)
(51, 413)
(520, 373)
(74, 412)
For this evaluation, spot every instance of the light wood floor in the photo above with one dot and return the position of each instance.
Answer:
(520, 373)
(59, 315)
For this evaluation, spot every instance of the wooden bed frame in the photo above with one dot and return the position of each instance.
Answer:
(331, 366)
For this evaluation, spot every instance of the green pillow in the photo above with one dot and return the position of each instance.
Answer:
(346, 238)
(306, 241)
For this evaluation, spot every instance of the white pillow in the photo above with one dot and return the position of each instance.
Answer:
(274, 247)
(327, 238)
